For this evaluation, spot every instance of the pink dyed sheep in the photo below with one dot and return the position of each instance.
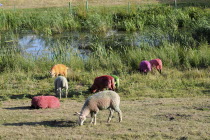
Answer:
(45, 102)
(157, 63)
(145, 67)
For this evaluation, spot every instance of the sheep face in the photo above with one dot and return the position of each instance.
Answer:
(81, 119)
(93, 89)
(52, 73)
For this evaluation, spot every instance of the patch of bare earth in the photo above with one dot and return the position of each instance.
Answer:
(166, 118)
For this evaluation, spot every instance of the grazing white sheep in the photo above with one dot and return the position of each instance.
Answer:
(101, 100)
(60, 83)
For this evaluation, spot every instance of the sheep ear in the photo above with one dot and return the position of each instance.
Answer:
(77, 113)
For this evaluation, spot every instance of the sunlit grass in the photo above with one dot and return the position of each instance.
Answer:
(99, 19)
(146, 118)
(30, 77)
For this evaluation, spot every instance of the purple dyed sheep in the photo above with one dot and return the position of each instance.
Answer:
(145, 67)
(45, 102)
(99, 101)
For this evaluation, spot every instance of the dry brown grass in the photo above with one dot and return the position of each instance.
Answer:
(65, 3)
(166, 118)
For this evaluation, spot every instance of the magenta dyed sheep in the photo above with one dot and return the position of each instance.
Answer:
(45, 102)
(145, 67)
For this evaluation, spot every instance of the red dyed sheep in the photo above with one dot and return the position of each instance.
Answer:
(45, 102)
(105, 81)
(157, 63)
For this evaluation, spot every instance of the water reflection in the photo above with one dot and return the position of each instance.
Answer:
(33, 44)
(82, 43)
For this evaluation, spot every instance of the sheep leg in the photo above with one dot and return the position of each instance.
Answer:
(59, 92)
(94, 119)
(92, 114)
(119, 114)
(160, 71)
(66, 92)
(110, 115)
(56, 91)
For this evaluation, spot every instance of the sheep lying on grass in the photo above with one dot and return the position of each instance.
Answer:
(60, 83)
(101, 100)
(58, 69)
(101, 82)
(145, 67)
(157, 63)
(45, 102)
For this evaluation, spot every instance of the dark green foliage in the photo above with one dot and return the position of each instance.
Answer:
(202, 33)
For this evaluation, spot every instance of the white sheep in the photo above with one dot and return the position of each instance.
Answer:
(60, 83)
(101, 100)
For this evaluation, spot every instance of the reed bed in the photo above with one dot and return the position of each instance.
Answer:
(56, 20)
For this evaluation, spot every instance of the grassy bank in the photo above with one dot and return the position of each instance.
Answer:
(99, 19)
(185, 73)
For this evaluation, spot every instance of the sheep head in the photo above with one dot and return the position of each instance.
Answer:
(82, 118)
(52, 73)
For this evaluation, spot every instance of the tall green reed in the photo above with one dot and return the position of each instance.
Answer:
(56, 20)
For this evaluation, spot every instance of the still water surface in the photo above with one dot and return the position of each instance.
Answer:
(81, 42)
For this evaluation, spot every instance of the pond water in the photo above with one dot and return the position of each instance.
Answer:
(82, 42)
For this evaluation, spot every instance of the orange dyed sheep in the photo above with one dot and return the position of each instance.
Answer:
(59, 69)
